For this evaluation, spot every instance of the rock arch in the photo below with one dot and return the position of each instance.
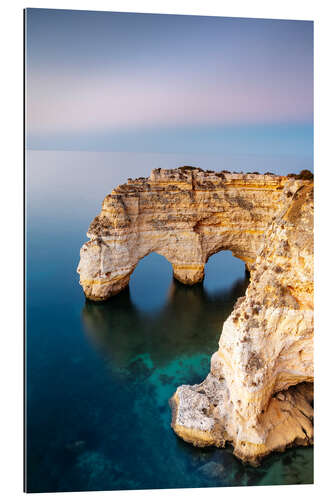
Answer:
(184, 214)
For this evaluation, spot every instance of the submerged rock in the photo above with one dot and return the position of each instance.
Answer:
(212, 470)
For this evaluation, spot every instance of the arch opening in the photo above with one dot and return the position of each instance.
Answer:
(153, 280)
(150, 282)
(222, 271)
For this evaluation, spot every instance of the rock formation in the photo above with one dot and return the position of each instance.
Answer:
(186, 215)
(258, 394)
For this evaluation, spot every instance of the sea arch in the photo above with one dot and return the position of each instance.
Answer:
(186, 215)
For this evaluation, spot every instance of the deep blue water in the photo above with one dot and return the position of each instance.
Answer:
(99, 376)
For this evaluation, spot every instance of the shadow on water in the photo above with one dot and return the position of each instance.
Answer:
(188, 324)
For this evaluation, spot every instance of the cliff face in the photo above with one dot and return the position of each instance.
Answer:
(258, 393)
(184, 215)
(251, 397)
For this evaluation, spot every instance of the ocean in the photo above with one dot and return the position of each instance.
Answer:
(99, 375)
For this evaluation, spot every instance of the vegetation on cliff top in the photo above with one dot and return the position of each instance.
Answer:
(305, 175)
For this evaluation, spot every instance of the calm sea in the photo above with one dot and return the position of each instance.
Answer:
(99, 376)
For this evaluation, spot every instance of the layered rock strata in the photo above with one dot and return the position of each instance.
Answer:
(186, 215)
(258, 393)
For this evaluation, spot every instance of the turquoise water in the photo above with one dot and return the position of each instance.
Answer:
(99, 376)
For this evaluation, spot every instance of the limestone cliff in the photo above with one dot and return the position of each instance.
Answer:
(258, 394)
(251, 397)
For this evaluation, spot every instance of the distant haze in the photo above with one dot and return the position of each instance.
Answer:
(103, 81)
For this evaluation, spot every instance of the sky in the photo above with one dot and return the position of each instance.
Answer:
(104, 81)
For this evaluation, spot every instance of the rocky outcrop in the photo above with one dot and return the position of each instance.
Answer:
(258, 394)
(184, 214)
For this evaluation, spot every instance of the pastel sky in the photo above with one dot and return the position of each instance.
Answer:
(162, 83)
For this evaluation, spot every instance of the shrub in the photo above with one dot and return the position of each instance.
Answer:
(305, 175)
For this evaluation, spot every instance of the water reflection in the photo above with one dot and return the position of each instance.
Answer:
(189, 323)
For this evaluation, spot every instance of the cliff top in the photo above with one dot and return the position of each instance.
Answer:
(189, 177)
(187, 172)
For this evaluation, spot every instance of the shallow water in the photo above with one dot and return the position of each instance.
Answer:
(99, 376)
